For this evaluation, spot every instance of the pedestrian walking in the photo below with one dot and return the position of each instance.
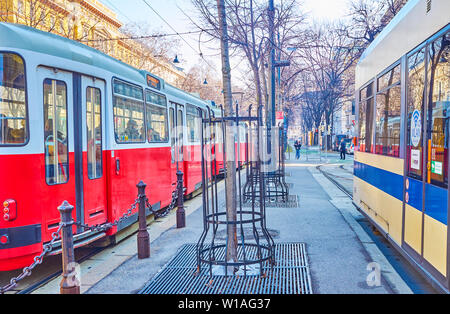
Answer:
(343, 149)
(297, 146)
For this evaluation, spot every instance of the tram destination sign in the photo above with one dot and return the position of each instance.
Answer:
(153, 82)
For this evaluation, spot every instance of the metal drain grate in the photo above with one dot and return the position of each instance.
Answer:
(293, 202)
(290, 275)
(248, 233)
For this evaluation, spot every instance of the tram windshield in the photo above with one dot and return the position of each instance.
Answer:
(13, 106)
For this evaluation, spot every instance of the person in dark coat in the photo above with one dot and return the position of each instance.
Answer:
(297, 146)
(343, 149)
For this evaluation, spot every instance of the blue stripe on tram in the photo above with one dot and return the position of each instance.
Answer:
(392, 184)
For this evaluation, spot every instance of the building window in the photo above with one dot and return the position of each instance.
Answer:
(20, 7)
(387, 136)
(366, 102)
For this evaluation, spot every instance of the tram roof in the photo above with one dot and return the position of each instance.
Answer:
(28, 38)
(401, 35)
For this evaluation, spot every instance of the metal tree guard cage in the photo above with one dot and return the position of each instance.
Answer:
(275, 187)
(255, 246)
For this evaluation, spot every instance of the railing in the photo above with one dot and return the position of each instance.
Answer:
(70, 283)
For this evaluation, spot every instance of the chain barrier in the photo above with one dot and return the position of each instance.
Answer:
(108, 225)
(48, 247)
(160, 214)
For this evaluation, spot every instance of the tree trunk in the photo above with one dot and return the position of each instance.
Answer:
(230, 179)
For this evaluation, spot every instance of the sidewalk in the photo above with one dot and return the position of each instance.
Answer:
(338, 250)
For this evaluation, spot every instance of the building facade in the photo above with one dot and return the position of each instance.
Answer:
(92, 23)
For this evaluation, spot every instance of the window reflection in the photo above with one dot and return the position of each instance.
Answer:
(415, 111)
(388, 114)
(366, 118)
(193, 123)
(94, 133)
(55, 132)
(156, 118)
(438, 73)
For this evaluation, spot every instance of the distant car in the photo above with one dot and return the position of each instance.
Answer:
(350, 148)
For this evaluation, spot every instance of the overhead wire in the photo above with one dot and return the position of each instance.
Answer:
(144, 36)
(168, 24)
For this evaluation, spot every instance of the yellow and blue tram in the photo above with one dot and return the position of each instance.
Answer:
(403, 111)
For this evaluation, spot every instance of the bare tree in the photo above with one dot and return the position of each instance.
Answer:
(152, 52)
(368, 18)
(230, 179)
(328, 78)
(194, 82)
(248, 32)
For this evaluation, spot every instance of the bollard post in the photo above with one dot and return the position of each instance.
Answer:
(69, 282)
(143, 238)
(181, 217)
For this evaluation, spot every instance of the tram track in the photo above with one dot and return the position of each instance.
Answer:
(335, 182)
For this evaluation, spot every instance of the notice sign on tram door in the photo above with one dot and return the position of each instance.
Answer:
(415, 159)
(436, 167)
(416, 134)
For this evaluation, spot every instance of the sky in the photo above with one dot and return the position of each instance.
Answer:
(176, 12)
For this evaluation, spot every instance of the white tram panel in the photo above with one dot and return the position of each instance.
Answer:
(397, 39)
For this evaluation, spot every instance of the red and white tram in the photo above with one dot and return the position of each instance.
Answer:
(78, 125)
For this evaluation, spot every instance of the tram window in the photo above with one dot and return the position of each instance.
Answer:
(180, 127)
(438, 110)
(415, 111)
(390, 78)
(193, 123)
(156, 118)
(13, 106)
(387, 136)
(94, 133)
(55, 132)
(172, 133)
(129, 114)
(366, 118)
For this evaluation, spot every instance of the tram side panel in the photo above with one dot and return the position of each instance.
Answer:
(150, 165)
(378, 190)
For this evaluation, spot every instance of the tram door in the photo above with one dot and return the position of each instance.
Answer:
(173, 141)
(58, 164)
(72, 129)
(92, 133)
(426, 186)
(176, 118)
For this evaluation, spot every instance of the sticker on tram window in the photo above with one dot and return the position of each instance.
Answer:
(415, 159)
(416, 128)
(436, 167)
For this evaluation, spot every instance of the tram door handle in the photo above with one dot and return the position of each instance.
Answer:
(117, 166)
